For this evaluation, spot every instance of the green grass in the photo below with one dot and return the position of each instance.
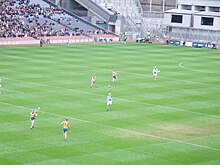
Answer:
(172, 121)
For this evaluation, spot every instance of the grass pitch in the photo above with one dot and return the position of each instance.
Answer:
(172, 121)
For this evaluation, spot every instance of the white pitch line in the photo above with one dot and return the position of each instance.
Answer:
(25, 58)
(128, 100)
(194, 70)
(121, 129)
(12, 90)
(4, 78)
(11, 56)
(191, 82)
(134, 74)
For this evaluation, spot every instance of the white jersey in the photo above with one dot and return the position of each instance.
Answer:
(109, 99)
(155, 71)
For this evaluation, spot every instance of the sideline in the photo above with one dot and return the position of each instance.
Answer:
(121, 129)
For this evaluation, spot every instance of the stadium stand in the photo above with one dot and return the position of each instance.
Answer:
(26, 19)
(42, 19)
(117, 16)
(158, 6)
(33, 20)
(129, 15)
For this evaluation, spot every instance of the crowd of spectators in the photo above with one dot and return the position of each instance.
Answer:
(19, 18)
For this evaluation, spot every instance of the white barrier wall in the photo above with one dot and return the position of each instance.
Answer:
(5, 42)
(70, 41)
(53, 40)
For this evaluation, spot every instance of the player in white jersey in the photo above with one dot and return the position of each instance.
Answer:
(155, 73)
(109, 101)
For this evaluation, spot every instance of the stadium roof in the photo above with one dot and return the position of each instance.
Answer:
(179, 11)
(190, 12)
(214, 14)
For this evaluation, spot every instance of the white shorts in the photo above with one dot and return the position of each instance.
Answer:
(109, 102)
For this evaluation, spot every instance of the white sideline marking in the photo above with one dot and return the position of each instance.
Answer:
(194, 70)
(118, 128)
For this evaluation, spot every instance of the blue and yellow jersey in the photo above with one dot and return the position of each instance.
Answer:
(114, 74)
(33, 115)
(65, 125)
